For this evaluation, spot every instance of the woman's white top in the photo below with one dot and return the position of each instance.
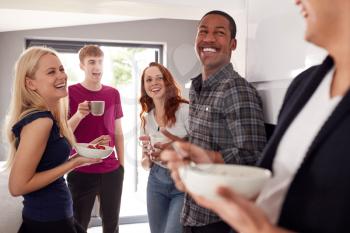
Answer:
(294, 145)
(179, 129)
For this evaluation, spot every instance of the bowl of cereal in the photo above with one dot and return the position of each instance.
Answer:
(204, 179)
(93, 150)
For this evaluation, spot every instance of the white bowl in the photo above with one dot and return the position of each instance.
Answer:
(158, 138)
(83, 150)
(204, 179)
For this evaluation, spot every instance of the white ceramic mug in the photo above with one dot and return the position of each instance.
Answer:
(158, 138)
(97, 107)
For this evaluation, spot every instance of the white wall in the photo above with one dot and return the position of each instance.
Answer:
(238, 58)
(276, 50)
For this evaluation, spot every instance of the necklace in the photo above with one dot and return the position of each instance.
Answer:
(159, 122)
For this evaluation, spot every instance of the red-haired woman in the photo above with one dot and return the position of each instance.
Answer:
(163, 107)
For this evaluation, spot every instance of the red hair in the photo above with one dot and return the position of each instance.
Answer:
(173, 96)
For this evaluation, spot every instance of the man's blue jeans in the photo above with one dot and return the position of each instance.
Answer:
(164, 202)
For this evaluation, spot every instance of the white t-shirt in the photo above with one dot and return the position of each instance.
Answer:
(294, 145)
(180, 128)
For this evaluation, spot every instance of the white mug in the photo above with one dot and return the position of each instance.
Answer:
(158, 137)
(97, 107)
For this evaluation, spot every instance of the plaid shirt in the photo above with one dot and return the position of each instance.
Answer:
(226, 116)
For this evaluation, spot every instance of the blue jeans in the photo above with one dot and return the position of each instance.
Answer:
(164, 202)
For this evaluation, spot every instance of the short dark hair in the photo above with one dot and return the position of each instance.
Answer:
(231, 21)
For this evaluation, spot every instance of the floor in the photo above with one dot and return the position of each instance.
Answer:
(125, 228)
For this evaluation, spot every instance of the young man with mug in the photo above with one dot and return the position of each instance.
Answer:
(104, 180)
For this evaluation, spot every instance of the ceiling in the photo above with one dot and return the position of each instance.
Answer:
(34, 14)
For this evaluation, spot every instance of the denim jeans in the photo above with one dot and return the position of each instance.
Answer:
(164, 202)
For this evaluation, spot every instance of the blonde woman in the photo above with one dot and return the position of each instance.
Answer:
(40, 143)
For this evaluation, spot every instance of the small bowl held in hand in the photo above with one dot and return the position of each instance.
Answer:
(93, 151)
(204, 179)
(158, 138)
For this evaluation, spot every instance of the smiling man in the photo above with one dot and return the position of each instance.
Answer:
(225, 111)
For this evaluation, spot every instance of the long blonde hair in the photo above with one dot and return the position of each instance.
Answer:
(24, 100)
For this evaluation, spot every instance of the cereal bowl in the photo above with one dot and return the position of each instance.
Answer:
(204, 179)
(93, 151)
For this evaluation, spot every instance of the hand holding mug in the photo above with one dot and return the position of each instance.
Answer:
(158, 142)
(83, 109)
